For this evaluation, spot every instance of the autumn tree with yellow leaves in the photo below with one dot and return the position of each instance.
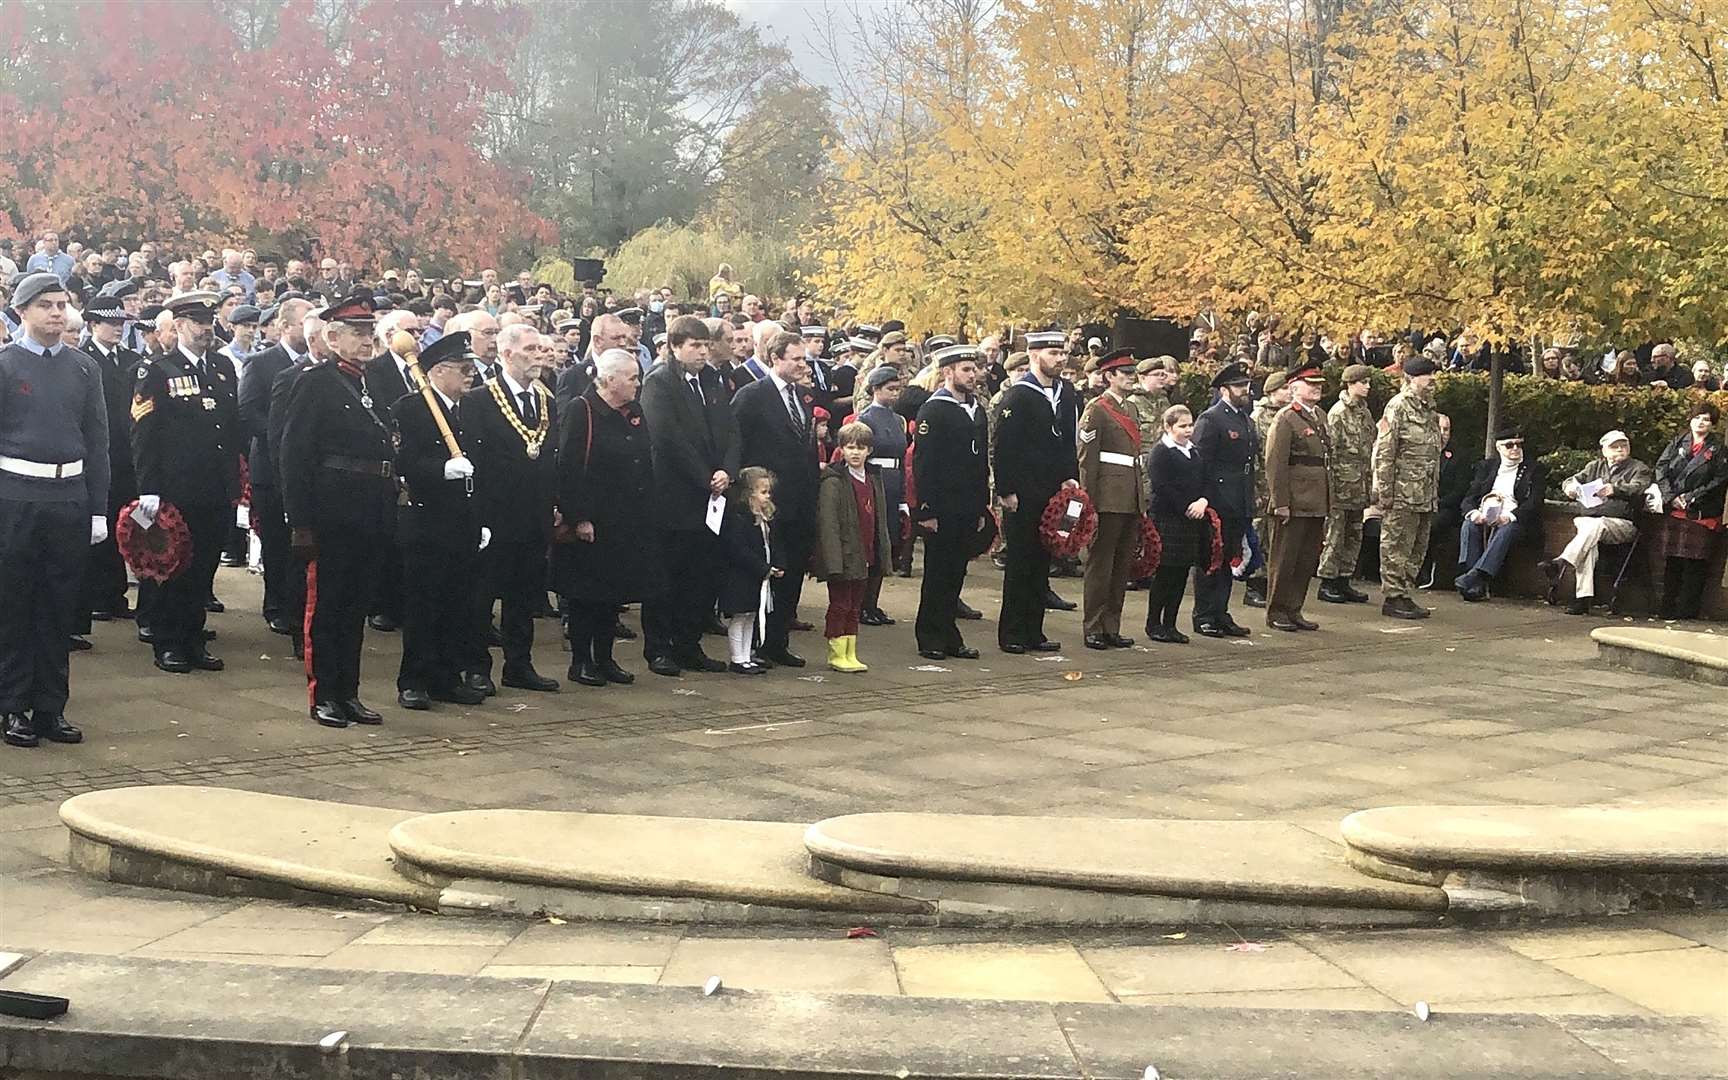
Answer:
(1518, 166)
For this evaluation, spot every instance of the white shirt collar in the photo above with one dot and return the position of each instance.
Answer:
(197, 362)
(516, 389)
(448, 404)
(1187, 451)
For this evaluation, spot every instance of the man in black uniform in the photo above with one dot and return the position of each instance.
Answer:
(510, 424)
(1229, 449)
(186, 449)
(256, 385)
(951, 471)
(53, 501)
(1034, 458)
(440, 534)
(105, 574)
(339, 490)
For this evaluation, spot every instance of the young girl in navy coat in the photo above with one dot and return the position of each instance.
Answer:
(752, 558)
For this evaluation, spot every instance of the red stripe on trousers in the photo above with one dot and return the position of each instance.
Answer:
(306, 630)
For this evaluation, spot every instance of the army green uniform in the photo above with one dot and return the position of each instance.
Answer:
(1352, 426)
(1406, 485)
(1148, 410)
(1298, 454)
(1110, 472)
(1262, 416)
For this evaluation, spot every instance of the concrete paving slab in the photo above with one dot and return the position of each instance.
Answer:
(1643, 1048)
(590, 973)
(835, 966)
(1418, 965)
(1674, 982)
(592, 945)
(1209, 968)
(1562, 942)
(1055, 972)
(418, 959)
(1662, 838)
(1349, 998)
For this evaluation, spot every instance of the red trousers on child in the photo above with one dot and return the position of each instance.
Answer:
(845, 601)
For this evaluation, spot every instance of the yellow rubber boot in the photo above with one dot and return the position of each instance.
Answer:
(837, 658)
(852, 653)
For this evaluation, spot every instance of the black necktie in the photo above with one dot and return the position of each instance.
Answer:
(696, 388)
(792, 406)
(528, 407)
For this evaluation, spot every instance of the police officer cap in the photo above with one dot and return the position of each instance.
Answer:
(1044, 339)
(197, 306)
(31, 286)
(881, 376)
(1274, 381)
(105, 309)
(1418, 365)
(1357, 373)
(245, 315)
(119, 288)
(452, 348)
(1232, 374)
(358, 308)
(954, 354)
(1019, 360)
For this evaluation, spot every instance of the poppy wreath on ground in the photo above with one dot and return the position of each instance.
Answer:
(1058, 542)
(1217, 559)
(159, 552)
(1151, 553)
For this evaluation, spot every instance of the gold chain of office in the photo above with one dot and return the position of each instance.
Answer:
(535, 439)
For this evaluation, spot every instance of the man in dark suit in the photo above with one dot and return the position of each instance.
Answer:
(1229, 448)
(389, 381)
(1501, 510)
(695, 441)
(510, 423)
(777, 430)
(268, 518)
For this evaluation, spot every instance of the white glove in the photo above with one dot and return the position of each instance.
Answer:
(148, 507)
(458, 468)
(98, 529)
(485, 537)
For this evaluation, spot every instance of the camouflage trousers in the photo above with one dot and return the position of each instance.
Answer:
(1343, 543)
(1403, 547)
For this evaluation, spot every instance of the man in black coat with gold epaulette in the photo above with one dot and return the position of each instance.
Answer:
(951, 473)
(339, 489)
(1229, 449)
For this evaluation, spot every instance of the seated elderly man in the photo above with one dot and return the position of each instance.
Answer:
(1502, 508)
(1611, 491)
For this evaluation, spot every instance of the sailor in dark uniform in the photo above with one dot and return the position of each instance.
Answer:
(53, 502)
(1229, 449)
(1034, 458)
(186, 449)
(952, 476)
(339, 491)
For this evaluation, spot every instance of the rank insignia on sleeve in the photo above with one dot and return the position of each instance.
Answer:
(1088, 436)
(142, 407)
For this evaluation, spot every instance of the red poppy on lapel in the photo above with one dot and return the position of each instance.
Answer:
(1234, 434)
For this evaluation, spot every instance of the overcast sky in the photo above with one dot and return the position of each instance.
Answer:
(794, 23)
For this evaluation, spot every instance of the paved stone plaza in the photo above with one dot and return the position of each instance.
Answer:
(1498, 703)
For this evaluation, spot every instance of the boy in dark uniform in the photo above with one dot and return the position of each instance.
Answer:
(951, 471)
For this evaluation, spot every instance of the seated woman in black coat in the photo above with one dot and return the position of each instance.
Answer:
(1692, 473)
(1179, 511)
(605, 553)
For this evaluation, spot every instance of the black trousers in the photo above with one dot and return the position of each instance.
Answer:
(336, 593)
(945, 560)
(590, 630)
(1164, 596)
(1682, 587)
(177, 612)
(273, 541)
(1025, 577)
(104, 577)
(442, 634)
(42, 553)
(797, 539)
(387, 589)
(514, 572)
(673, 621)
(1212, 591)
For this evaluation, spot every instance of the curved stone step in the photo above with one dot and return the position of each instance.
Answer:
(1111, 870)
(1635, 839)
(1685, 654)
(623, 865)
(228, 842)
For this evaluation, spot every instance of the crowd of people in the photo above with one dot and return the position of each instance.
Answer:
(444, 457)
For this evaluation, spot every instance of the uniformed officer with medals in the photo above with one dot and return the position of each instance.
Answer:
(1298, 489)
(105, 320)
(339, 490)
(1033, 458)
(951, 472)
(186, 452)
(1112, 474)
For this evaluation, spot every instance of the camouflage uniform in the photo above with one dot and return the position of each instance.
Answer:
(1353, 434)
(1264, 413)
(1406, 486)
(1148, 410)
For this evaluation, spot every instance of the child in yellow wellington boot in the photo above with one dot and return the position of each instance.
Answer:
(851, 536)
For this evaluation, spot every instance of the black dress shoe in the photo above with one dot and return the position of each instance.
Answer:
(623, 633)
(232, 560)
(783, 657)
(1330, 592)
(588, 674)
(700, 661)
(1046, 646)
(870, 617)
(146, 635)
(215, 606)
(101, 616)
(933, 654)
(1053, 602)
(616, 674)
(747, 669)
(964, 652)
(417, 700)
(56, 729)
(330, 714)
(173, 661)
(1355, 595)
(1210, 630)
(903, 571)
(1098, 641)
(800, 626)
(963, 610)
(209, 634)
(665, 665)
(1117, 641)
(360, 714)
(529, 679)
(1014, 648)
(1304, 624)
(79, 643)
(1253, 599)
(1168, 635)
(474, 680)
(1578, 607)
(1279, 622)
(203, 661)
(19, 731)
(460, 694)
(1232, 628)
(279, 625)
(384, 624)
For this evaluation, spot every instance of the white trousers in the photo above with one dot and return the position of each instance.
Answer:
(1581, 552)
(740, 630)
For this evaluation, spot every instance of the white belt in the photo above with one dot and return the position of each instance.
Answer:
(885, 462)
(37, 469)
(1115, 459)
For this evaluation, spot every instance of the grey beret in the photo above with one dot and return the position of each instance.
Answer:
(34, 285)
